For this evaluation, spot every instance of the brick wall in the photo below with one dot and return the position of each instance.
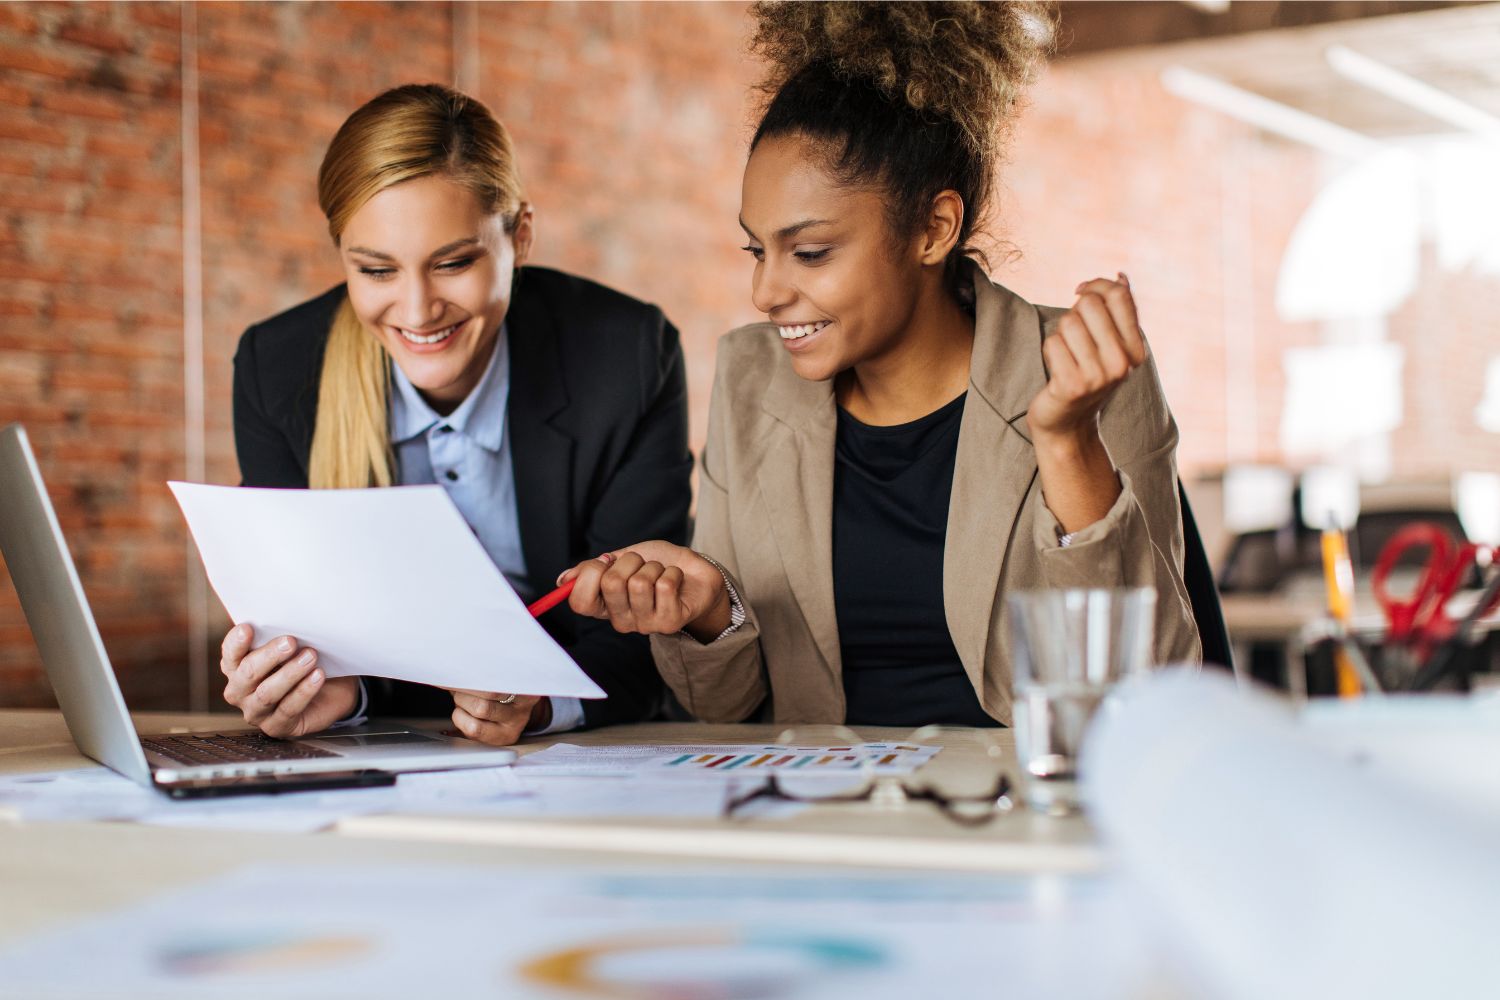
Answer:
(631, 122)
(1109, 172)
(91, 312)
(630, 140)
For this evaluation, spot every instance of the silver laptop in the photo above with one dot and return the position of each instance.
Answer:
(89, 695)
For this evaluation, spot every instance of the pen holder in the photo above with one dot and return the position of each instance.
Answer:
(1391, 664)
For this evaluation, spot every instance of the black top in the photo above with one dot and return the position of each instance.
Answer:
(891, 487)
(599, 446)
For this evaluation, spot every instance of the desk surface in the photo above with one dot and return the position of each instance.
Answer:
(57, 870)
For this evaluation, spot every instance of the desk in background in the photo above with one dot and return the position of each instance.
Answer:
(1265, 632)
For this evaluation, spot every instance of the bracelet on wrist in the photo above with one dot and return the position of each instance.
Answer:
(737, 614)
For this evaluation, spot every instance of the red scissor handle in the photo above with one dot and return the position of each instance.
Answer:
(1410, 614)
(1453, 574)
(1437, 627)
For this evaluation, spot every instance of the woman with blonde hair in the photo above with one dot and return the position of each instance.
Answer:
(551, 409)
(905, 440)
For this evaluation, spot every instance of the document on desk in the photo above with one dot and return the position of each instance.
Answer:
(539, 932)
(383, 582)
(97, 794)
(734, 760)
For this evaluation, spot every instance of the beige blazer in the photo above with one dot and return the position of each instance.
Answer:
(765, 511)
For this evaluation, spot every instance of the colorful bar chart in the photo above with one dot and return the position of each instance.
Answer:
(882, 756)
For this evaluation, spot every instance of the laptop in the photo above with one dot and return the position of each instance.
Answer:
(188, 764)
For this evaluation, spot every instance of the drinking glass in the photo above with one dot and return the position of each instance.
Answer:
(1071, 647)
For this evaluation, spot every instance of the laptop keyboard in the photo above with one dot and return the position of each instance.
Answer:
(229, 748)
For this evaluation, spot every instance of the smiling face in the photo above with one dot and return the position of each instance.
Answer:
(828, 270)
(429, 276)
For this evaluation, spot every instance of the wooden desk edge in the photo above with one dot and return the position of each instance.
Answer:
(803, 847)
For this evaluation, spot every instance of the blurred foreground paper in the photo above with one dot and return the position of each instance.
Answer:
(1291, 869)
(382, 582)
(1440, 744)
(383, 930)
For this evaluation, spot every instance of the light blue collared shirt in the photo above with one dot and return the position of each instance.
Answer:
(468, 454)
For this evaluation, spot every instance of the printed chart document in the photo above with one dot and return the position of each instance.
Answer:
(543, 933)
(722, 759)
(384, 582)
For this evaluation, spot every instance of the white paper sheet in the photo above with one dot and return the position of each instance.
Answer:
(93, 794)
(97, 793)
(504, 792)
(715, 760)
(388, 582)
(84, 793)
(1292, 870)
(582, 796)
(1439, 744)
(361, 931)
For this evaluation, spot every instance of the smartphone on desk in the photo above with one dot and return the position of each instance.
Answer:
(276, 784)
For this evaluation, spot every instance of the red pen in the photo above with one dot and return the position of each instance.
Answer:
(551, 600)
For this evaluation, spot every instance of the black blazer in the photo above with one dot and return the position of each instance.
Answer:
(598, 436)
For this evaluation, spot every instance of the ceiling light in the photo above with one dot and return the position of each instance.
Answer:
(1410, 91)
(1264, 113)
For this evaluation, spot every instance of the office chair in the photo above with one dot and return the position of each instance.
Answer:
(1202, 592)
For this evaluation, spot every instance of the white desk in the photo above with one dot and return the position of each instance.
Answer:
(53, 871)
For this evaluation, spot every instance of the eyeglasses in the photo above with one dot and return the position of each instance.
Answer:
(834, 764)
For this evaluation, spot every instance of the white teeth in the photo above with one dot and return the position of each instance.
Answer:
(801, 330)
(431, 338)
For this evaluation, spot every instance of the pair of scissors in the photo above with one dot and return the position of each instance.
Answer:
(1420, 620)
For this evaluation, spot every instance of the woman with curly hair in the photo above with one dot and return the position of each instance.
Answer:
(905, 440)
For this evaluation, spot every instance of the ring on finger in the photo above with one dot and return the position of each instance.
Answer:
(507, 700)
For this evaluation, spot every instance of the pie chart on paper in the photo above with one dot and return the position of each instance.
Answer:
(716, 964)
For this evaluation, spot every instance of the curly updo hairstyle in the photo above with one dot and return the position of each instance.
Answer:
(914, 98)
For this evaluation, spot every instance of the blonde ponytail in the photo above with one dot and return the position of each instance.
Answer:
(351, 446)
(413, 131)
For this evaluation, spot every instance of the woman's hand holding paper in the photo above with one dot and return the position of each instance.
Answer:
(279, 687)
